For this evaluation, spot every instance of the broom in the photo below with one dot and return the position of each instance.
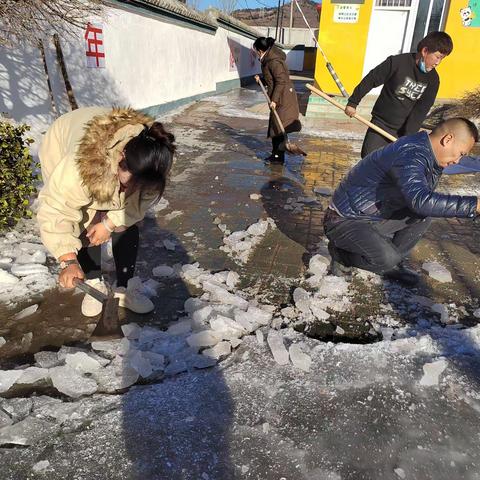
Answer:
(291, 147)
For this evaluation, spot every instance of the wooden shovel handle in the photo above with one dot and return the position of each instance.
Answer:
(357, 116)
(280, 124)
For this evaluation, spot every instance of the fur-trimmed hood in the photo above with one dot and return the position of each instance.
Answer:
(99, 151)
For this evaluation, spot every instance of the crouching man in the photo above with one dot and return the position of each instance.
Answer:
(384, 205)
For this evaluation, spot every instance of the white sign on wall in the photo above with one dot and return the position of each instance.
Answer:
(346, 13)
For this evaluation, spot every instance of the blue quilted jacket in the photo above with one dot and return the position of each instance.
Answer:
(397, 181)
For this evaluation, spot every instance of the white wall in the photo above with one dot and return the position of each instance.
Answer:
(148, 62)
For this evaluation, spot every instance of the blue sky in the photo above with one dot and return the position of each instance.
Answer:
(241, 4)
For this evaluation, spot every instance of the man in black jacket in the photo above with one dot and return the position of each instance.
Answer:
(384, 205)
(410, 86)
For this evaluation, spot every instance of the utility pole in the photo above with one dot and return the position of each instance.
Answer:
(278, 18)
(291, 23)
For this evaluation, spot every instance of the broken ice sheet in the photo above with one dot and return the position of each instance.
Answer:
(71, 383)
(299, 359)
(432, 372)
(27, 432)
(26, 312)
(279, 352)
(437, 272)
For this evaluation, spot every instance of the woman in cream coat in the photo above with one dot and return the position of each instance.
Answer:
(102, 169)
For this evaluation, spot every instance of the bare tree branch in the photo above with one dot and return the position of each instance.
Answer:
(27, 20)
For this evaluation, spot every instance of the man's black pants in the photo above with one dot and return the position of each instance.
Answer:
(374, 140)
(377, 246)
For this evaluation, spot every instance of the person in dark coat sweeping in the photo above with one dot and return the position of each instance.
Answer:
(282, 95)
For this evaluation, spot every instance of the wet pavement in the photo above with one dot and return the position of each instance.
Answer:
(358, 415)
(222, 144)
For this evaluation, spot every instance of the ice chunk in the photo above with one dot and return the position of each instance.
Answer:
(299, 359)
(26, 312)
(193, 303)
(5, 420)
(26, 340)
(442, 310)
(33, 375)
(111, 348)
(333, 286)
(82, 362)
(150, 288)
(8, 378)
(2, 342)
(255, 196)
(7, 279)
(169, 245)
(201, 316)
(226, 327)
(436, 271)
(400, 473)
(41, 467)
(318, 311)
(476, 313)
(221, 295)
(432, 372)
(275, 342)
(116, 376)
(259, 335)
(140, 363)
(36, 257)
(172, 215)
(176, 367)
(323, 191)
(201, 361)
(157, 361)
(163, 271)
(302, 300)
(258, 228)
(71, 383)
(205, 338)
(28, 269)
(131, 330)
(235, 342)
(47, 359)
(339, 330)
(27, 432)
(232, 279)
(318, 265)
(180, 327)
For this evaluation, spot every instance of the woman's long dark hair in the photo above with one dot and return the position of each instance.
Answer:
(262, 44)
(149, 157)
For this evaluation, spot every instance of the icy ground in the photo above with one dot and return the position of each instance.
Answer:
(235, 385)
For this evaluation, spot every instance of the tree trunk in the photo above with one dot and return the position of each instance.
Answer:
(47, 74)
(63, 68)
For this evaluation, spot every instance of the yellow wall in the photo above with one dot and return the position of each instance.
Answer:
(460, 71)
(344, 45)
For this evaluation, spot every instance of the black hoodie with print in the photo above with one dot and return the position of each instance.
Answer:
(406, 97)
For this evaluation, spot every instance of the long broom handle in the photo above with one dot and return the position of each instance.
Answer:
(280, 124)
(330, 68)
(357, 116)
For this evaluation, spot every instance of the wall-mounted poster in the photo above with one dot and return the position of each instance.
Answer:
(346, 13)
(95, 51)
(470, 15)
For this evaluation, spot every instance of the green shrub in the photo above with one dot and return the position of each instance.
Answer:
(18, 174)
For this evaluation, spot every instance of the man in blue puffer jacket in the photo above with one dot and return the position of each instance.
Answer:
(384, 205)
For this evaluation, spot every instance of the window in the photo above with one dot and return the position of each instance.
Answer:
(393, 3)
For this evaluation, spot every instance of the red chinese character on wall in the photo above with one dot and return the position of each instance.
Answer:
(94, 46)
